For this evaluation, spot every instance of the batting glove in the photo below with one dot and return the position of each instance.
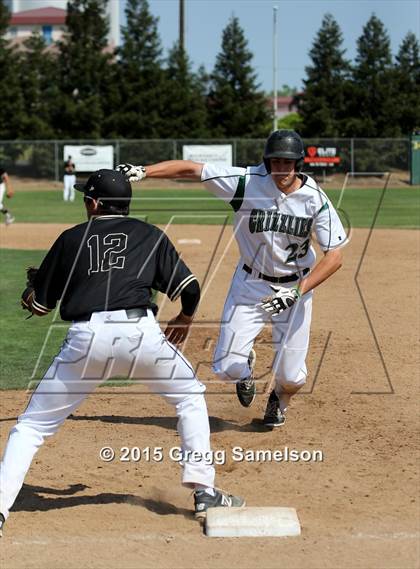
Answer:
(133, 173)
(282, 299)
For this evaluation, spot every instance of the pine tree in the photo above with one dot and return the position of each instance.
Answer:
(185, 111)
(323, 105)
(235, 105)
(408, 84)
(11, 97)
(373, 89)
(373, 50)
(141, 74)
(408, 57)
(83, 70)
(38, 68)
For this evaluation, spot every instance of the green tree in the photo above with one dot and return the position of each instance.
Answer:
(185, 112)
(292, 121)
(372, 93)
(323, 104)
(83, 70)
(11, 97)
(38, 68)
(407, 79)
(284, 91)
(141, 74)
(236, 107)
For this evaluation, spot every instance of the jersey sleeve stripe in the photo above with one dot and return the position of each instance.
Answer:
(40, 307)
(238, 198)
(181, 287)
(324, 207)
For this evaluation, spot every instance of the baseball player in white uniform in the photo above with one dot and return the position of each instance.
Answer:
(5, 189)
(277, 209)
(69, 180)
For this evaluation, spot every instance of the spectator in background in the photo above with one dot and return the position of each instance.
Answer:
(69, 180)
(5, 188)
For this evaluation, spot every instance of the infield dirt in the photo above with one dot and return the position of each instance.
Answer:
(358, 507)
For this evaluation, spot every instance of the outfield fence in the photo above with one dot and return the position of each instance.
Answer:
(44, 158)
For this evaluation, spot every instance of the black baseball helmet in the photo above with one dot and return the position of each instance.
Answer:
(107, 186)
(284, 144)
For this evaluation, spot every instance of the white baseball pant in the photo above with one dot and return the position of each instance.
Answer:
(68, 191)
(241, 323)
(110, 345)
(2, 192)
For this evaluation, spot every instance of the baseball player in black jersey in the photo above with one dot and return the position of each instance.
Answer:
(104, 271)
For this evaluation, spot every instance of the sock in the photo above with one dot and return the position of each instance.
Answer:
(207, 489)
(284, 399)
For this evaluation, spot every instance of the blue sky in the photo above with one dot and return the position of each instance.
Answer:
(298, 22)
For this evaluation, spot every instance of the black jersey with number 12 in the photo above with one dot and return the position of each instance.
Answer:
(109, 263)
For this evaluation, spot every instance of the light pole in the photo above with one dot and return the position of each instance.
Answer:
(275, 106)
(181, 25)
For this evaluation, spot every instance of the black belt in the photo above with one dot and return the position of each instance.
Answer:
(131, 313)
(278, 280)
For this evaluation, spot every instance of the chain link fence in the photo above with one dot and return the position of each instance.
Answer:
(45, 158)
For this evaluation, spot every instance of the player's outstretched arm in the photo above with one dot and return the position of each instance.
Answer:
(328, 265)
(170, 169)
(175, 169)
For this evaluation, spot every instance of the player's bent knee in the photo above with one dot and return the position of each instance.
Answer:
(230, 370)
(292, 385)
(32, 432)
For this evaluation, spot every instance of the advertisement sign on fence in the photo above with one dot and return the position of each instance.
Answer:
(220, 154)
(90, 158)
(322, 156)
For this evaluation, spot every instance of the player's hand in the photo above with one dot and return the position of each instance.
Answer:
(133, 173)
(9, 194)
(282, 299)
(178, 328)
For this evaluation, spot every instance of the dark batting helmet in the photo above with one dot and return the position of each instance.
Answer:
(284, 144)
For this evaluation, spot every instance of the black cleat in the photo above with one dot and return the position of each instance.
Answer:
(273, 417)
(203, 501)
(2, 520)
(246, 389)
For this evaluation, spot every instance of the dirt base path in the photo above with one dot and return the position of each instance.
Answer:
(358, 507)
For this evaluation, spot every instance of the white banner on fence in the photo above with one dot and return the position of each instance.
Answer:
(90, 158)
(220, 154)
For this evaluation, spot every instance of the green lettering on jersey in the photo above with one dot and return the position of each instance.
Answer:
(283, 223)
(253, 220)
(290, 228)
(260, 221)
(275, 221)
(267, 223)
(263, 220)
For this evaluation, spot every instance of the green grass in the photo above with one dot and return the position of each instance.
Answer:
(22, 340)
(400, 207)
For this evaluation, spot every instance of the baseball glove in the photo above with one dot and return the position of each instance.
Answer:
(28, 294)
(133, 173)
(282, 299)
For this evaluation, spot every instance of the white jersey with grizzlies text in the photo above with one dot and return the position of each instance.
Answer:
(274, 230)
